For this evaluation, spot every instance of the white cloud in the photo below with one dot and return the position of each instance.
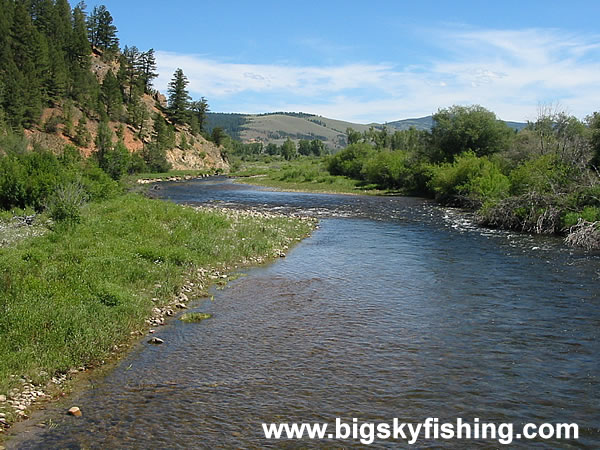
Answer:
(508, 71)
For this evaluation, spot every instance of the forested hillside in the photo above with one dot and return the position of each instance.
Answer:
(64, 80)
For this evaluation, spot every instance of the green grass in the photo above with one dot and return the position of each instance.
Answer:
(194, 317)
(306, 174)
(69, 296)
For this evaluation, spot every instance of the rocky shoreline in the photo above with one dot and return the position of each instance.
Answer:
(173, 178)
(19, 403)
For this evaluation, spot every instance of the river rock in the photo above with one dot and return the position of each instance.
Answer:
(155, 341)
(74, 411)
(2, 398)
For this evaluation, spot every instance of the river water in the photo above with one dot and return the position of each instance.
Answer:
(393, 308)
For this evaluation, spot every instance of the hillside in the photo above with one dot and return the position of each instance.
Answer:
(64, 80)
(277, 127)
(198, 153)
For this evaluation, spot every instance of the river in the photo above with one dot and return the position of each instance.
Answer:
(393, 308)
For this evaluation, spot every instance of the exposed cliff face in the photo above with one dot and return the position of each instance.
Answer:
(197, 154)
(200, 153)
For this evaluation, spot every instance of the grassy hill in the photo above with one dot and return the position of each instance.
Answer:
(277, 127)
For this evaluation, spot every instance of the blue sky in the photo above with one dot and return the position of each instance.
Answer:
(373, 61)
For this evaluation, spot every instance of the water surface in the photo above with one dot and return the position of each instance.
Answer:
(393, 308)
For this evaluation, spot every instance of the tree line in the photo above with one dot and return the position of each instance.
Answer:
(288, 150)
(541, 179)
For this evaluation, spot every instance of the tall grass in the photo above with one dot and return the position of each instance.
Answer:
(306, 174)
(68, 297)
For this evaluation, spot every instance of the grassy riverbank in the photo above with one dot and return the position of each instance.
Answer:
(306, 175)
(67, 298)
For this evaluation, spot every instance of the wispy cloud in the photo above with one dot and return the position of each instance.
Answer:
(507, 71)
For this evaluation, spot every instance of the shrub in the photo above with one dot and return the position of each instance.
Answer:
(531, 212)
(66, 202)
(388, 170)
(12, 183)
(136, 164)
(51, 125)
(584, 234)
(469, 179)
(116, 161)
(545, 174)
(350, 161)
(96, 183)
(587, 214)
(156, 158)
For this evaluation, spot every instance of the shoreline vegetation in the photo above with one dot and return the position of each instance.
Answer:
(306, 175)
(580, 233)
(82, 292)
(542, 179)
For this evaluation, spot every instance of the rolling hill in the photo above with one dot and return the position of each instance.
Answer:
(277, 127)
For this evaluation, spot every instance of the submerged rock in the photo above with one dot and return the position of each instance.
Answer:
(155, 341)
(74, 411)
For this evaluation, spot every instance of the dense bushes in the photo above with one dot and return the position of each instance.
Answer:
(349, 162)
(30, 179)
(543, 179)
(387, 169)
(473, 179)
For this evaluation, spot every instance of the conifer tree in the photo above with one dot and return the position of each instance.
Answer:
(103, 140)
(130, 72)
(200, 109)
(178, 98)
(148, 69)
(79, 47)
(111, 95)
(82, 135)
(163, 134)
(102, 32)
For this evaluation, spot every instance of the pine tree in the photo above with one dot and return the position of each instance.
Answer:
(163, 134)
(68, 119)
(79, 47)
(102, 32)
(218, 135)
(103, 140)
(130, 70)
(82, 134)
(56, 84)
(14, 92)
(61, 25)
(179, 98)
(200, 109)
(25, 44)
(183, 143)
(148, 69)
(111, 95)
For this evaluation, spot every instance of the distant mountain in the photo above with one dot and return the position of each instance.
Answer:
(516, 125)
(421, 123)
(278, 126)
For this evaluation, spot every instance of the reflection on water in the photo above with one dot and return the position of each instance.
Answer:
(393, 308)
